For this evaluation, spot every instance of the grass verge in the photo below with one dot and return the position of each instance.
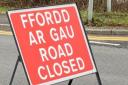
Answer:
(3, 9)
(107, 19)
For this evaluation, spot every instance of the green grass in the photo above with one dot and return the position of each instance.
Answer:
(84, 16)
(111, 19)
(107, 19)
(3, 9)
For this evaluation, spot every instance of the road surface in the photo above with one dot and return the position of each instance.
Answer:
(112, 64)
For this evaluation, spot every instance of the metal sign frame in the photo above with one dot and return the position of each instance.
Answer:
(20, 58)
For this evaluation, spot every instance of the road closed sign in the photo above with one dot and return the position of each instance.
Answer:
(52, 43)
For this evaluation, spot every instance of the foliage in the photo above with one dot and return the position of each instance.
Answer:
(111, 19)
(3, 9)
(107, 19)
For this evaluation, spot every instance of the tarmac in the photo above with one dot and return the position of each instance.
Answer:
(90, 30)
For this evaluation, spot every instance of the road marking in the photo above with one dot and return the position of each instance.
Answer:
(94, 42)
(108, 38)
(4, 24)
(91, 37)
(104, 43)
(5, 33)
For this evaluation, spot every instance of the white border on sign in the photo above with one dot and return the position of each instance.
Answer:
(82, 28)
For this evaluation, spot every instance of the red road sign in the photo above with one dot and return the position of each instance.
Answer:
(52, 43)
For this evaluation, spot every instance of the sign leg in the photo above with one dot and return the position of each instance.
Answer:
(25, 72)
(98, 78)
(70, 82)
(14, 71)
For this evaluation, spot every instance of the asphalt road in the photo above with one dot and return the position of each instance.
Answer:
(112, 64)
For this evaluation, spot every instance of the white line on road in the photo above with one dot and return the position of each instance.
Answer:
(104, 43)
(4, 24)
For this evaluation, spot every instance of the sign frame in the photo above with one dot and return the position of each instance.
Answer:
(84, 34)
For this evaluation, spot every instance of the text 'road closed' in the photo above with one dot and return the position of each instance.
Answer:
(52, 43)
